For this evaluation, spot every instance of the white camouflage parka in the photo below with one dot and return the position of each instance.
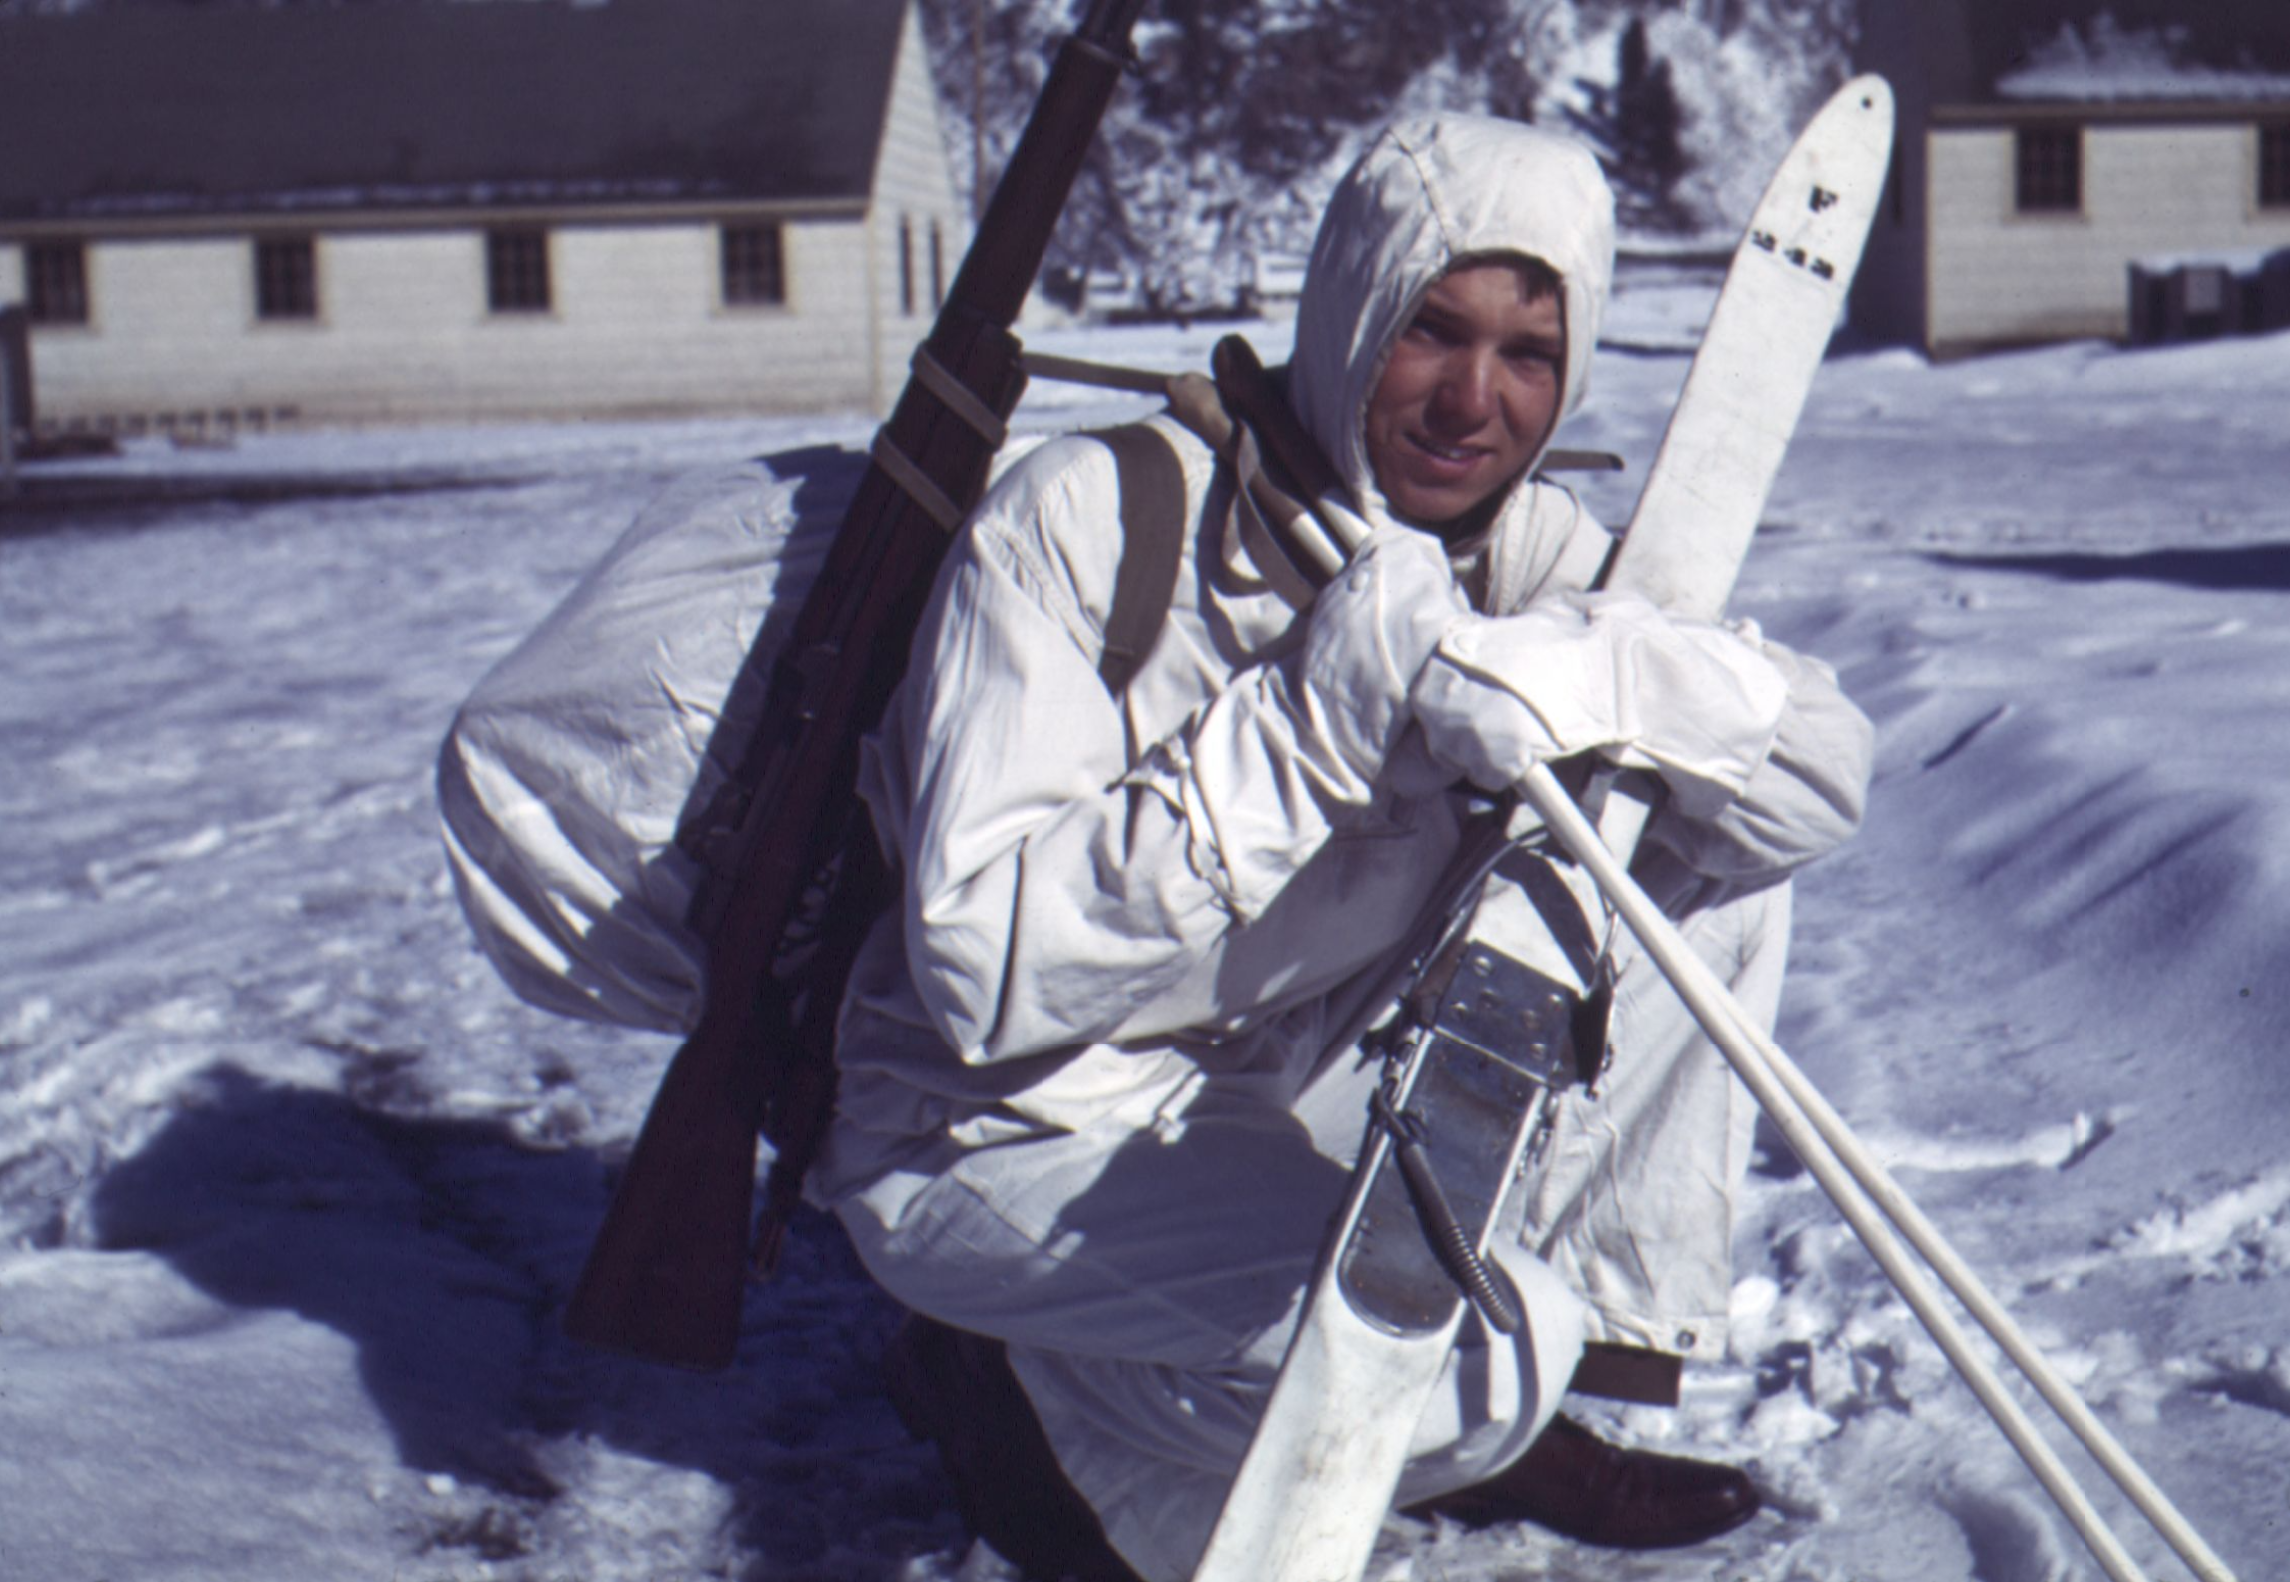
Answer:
(1127, 915)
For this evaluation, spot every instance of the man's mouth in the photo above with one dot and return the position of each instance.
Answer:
(1458, 458)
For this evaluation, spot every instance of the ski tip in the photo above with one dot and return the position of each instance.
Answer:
(1868, 92)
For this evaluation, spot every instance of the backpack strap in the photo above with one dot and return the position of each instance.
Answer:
(1152, 483)
(1268, 514)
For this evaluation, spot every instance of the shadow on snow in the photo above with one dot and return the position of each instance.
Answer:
(444, 1248)
(2260, 568)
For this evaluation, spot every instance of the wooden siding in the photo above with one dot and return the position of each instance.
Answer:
(403, 332)
(637, 324)
(913, 183)
(2000, 277)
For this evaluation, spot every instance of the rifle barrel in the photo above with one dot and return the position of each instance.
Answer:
(665, 1275)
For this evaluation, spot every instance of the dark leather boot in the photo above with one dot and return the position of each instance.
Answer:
(955, 1390)
(1577, 1484)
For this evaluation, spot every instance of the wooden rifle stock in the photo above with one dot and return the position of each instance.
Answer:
(665, 1276)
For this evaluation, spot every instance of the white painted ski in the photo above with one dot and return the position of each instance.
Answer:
(1317, 1482)
(1782, 297)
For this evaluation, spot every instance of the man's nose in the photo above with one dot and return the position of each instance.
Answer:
(1466, 393)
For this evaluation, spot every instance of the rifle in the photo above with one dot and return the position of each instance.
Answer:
(788, 862)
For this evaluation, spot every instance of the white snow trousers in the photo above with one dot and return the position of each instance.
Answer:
(1148, 1282)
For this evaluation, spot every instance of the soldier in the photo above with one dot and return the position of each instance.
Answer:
(1090, 1127)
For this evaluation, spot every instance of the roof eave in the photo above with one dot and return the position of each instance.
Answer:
(2035, 112)
(245, 217)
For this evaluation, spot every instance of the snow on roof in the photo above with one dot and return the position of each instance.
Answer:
(2106, 62)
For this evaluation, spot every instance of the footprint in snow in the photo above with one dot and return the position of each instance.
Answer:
(2010, 1537)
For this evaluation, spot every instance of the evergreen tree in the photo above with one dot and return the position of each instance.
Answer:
(1646, 118)
(1244, 112)
(1635, 123)
(1225, 144)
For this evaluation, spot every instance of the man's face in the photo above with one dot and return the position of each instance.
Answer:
(1471, 390)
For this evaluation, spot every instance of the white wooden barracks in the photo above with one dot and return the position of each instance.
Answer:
(2021, 197)
(220, 216)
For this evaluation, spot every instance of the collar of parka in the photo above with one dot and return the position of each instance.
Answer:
(1429, 193)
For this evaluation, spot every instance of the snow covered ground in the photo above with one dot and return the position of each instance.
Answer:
(290, 1189)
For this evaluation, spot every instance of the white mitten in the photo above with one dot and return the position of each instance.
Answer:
(1292, 748)
(1605, 673)
(1370, 633)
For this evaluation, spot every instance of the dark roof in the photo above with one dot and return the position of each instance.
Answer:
(204, 109)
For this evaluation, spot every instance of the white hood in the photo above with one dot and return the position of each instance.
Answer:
(1429, 193)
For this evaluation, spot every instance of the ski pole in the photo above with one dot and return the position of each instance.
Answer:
(2081, 1421)
(1860, 1187)
(1993, 1317)
(1744, 1048)
(1845, 1170)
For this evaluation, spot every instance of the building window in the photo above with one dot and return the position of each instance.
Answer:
(517, 270)
(906, 266)
(2274, 165)
(754, 265)
(2050, 169)
(937, 268)
(286, 278)
(55, 282)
